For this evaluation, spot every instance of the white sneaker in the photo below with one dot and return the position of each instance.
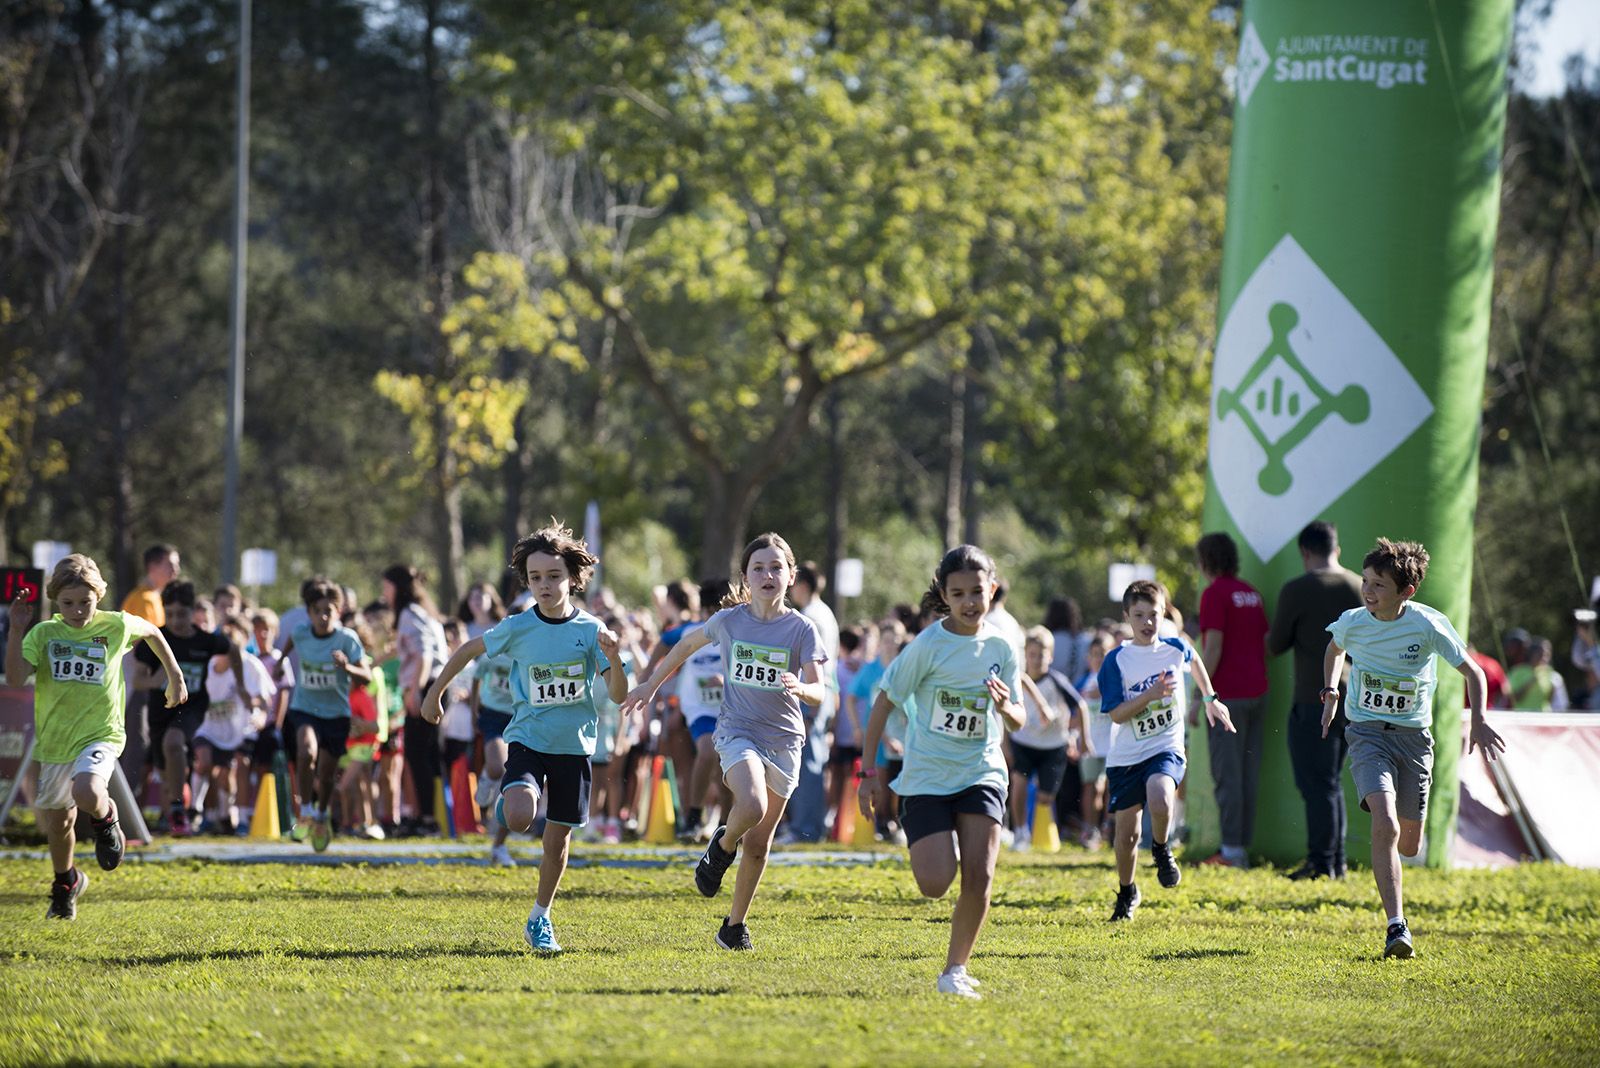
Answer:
(958, 984)
(374, 831)
(486, 791)
(1020, 843)
(500, 857)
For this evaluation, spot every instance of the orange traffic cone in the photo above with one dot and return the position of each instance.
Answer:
(662, 827)
(463, 787)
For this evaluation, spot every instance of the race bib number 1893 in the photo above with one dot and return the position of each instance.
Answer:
(77, 662)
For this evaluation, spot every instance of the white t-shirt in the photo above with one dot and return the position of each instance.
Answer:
(227, 719)
(1128, 671)
(457, 724)
(1035, 733)
(1099, 720)
(1010, 629)
(700, 681)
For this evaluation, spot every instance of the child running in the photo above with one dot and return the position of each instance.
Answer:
(956, 682)
(316, 731)
(1141, 692)
(555, 649)
(1391, 641)
(78, 713)
(772, 654)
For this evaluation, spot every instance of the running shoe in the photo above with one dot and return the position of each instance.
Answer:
(374, 831)
(713, 865)
(109, 842)
(1020, 842)
(1167, 872)
(541, 935)
(1127, 903)
(178, 823)
(612, 833)
(485, 792)
(500, 857)
(1307, 871)
(302, 826)
(1398, 942)
(64, 897)
(958, 984)
(321, 834)
(734, 936)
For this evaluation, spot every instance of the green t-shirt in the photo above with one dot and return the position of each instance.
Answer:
(78, 693)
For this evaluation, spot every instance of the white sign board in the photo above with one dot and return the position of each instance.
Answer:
(849, 577)
(1120, 576)
(258, 567)
(47, 554)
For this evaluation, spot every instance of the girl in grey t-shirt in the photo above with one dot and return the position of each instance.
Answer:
(772, 655)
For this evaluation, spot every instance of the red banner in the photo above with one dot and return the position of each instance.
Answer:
(16, 742)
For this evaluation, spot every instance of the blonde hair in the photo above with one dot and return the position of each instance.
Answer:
(1041, 637)
(76, 570)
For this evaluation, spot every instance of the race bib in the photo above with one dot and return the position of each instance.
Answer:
(319, 676)
(557, 684)
(964, 716)
(710, 691)
(759, 666)
(222, 711)
(193, 676)
(1386, 695)
(77, 662)
(495, 686)
(1157, 718)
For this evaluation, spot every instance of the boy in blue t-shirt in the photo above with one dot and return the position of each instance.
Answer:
(316, 729)
(1141, 692)
(1392, 641)
(556, 652)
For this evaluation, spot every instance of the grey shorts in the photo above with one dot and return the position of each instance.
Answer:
(1394, 760)
(780, 766)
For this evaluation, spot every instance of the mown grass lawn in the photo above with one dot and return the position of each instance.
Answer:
(416, 964)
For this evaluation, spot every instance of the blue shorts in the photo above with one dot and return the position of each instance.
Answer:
(1126, 783)
(701, 726)
(492, 724)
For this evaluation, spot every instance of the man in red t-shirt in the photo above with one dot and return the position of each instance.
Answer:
(1233, 644)
(1494, 680)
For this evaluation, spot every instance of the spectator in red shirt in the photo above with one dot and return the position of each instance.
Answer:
(1233, 645)
(1494, 679)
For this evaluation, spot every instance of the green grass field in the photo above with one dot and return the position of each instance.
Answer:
(199, 962)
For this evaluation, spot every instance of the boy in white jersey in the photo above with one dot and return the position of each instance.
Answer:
(1392, 641)
(1141, 691)
(557, 652)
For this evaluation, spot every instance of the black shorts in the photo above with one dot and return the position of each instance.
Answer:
(844, 756)
(263, 747)
(332, 733)
(219, 757)
(1049, 766)
(564, 778)
(925, 814)
(163, 719)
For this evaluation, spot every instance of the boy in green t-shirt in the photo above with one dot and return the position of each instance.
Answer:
(78, 713)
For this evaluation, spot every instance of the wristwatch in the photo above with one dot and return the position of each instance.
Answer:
(869, 773)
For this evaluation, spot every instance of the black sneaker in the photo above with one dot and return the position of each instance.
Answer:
(713, 865)
(1127, 903)
(1167, 872)
(64, 897)
(1308, 871)
(109, 842)
(1398, 942)
(735, 936)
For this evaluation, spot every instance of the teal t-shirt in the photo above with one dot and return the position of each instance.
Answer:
(953, 734)
(1391, 664)
(322, 689)
(555, 665)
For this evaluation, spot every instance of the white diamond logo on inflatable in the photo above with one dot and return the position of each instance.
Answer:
(1306, 399)
(1251, 65)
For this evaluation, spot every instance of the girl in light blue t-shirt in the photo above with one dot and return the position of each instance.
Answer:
(955, 682)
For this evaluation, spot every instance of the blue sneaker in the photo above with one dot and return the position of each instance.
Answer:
(541, 935)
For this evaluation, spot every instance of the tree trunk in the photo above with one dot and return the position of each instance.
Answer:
(730, 497)
(838, 507)
(955, 455)
(971, 441)
(448, 542)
